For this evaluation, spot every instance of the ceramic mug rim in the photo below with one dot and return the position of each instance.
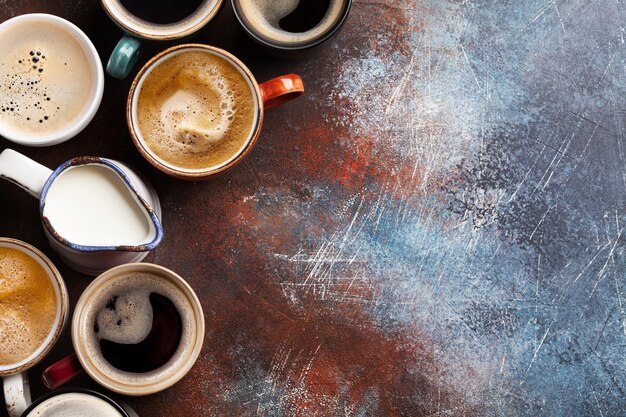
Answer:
(170, 169)
(79, 332)
(176, 34)
(75, 390)
(291, 48)
(61, 311)
(95, 98)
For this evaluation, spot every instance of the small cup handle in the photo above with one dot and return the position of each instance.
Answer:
(62, 372)
(281, 89)
(123, 57)
(16, 393)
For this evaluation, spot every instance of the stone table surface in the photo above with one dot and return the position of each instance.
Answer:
(436, 228)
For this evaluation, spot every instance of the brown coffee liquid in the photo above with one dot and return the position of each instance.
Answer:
(28, 306)
(195, 110)
(162, 11)
(306, 16)
(156, 349)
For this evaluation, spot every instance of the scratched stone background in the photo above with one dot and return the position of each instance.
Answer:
(434, 229)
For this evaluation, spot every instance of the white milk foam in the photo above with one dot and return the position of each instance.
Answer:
(91, 205)
(265, 15)
(187, 119)
(75, 404)
(46, 78)
(132, 291)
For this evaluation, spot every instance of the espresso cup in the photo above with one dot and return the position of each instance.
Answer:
(195, 111)
(52, 80)
(33, 312)
(291, 27)
(161, 20)
(97, 213)
(137, 329)
(77, 402)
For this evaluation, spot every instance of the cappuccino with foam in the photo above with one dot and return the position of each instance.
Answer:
(291, 23)
(28, 305)
(47, 79)
(195, 110)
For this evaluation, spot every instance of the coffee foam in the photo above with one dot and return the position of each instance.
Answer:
(264, 17)
(130, 293)
(75, 404)
(195, 110)
(28, 305)
(46, 78)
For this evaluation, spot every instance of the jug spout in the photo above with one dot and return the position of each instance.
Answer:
(23, 171)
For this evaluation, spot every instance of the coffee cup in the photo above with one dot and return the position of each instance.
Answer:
(137, 329)
(77, 402)
(52, 80)
(97, 212)
(161, 20)
(33, 312)
(291, 27)
(195, 111)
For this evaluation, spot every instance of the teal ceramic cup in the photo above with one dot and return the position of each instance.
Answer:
(148, 24)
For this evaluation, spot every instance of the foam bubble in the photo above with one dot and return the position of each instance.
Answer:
(126, 318)
(182, 116)
(46, 78)
(28, 305)
(14, 336)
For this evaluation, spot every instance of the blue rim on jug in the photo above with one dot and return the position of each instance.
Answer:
(84, 160)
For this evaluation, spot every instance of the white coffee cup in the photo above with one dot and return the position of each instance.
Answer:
(14, 377)
(80, 121)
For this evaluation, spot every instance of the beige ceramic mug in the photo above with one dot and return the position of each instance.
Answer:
(33, 312)
(137, 329)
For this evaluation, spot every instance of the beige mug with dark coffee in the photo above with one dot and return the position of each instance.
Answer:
(33, 312)
(137, 329)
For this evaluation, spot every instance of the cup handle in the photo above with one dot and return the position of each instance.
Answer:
(62, 372)
(280, 90)
(123, 57)
(23, 171)
(16, 393)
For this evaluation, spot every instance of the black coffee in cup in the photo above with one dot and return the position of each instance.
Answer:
(291, 23)
(154, 350)
(140, 324)
(306, 15)
(162, 11)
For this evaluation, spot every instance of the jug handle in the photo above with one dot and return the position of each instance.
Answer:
(24, 172)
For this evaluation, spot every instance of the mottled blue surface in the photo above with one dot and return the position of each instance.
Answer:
(498, 229)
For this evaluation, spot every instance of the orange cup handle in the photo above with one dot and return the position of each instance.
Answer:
(281, 90)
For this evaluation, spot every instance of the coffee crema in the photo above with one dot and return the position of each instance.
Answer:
(74, 404)
(195, 110)
(142, 326)
(291, 22)
(28, 305)
(45, 78)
